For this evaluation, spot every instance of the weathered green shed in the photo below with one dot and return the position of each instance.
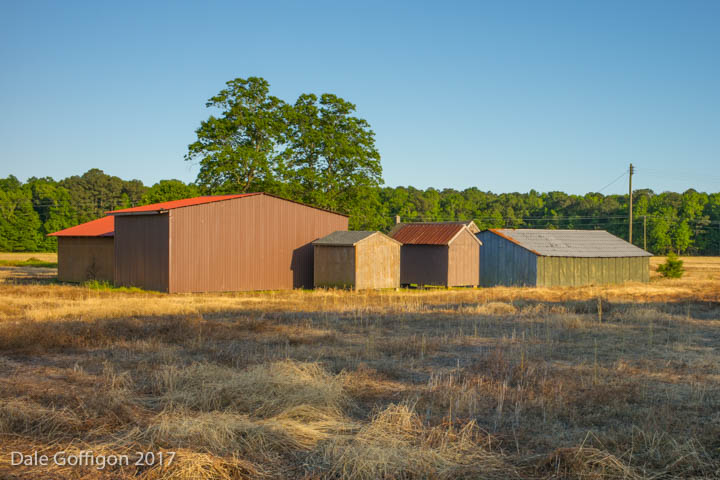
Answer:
(545, 258)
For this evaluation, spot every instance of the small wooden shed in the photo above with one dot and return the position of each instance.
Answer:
(87, 251)
(445, 254)
(357, 259)
(545, 258)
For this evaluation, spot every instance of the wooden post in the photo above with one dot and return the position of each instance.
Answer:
(632, 169)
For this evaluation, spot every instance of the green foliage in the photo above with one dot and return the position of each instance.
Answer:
(238, 149)
(167, 190)
(95, 193)
(314, 151)
(19, 222)
(30, 262)
(672, 268)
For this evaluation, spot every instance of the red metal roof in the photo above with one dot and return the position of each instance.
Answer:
(427, 233)
(187, 202)
(102, 227)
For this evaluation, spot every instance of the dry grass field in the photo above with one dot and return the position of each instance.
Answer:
(603, 382)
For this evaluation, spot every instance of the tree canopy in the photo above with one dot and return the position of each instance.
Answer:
(313, 150)
(684, 223)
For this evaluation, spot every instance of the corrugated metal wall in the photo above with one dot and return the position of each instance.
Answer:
(141, 251)
(464, 260)
(505, 263)
(334, 266)
(424, 264)
(377, 263)
(575, 271)
(86, 258)
(252, 243)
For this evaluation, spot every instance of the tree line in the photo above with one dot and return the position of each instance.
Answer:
(685, 223)
(315, 150)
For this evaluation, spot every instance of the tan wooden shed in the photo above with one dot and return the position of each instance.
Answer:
(358, 259)
(444, 254)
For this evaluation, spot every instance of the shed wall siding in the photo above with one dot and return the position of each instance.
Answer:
(424, 264)
(377, 263)
(86, 258)
(464, 260)
(576, 271)
(251, 243)
(334, 266)
(141, 251)
(505, 263)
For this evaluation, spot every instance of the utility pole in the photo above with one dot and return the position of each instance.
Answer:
(632, 170)
(645, 232)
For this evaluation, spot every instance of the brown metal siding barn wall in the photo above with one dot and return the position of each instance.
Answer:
(258, 242)
(141, 251)
(464, 260)
(86, 258)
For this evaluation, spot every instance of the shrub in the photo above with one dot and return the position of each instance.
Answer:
(672, 268)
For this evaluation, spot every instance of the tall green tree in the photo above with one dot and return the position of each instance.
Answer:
(238, 149)
(330, 158)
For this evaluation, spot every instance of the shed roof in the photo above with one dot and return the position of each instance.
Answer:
(440, 233)
(348, 238)
(102, 227)
(469, 223)
(571, 243)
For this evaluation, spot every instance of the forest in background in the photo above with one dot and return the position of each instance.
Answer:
(686, 223)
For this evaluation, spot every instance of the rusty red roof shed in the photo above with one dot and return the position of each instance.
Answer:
(428, 233)
(438, 254)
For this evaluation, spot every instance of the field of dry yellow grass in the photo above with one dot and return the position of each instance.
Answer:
(595, 382)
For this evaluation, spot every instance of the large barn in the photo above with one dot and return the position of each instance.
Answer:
(358, 260)
(445, 254)
(86, 251)
(253, 241)
(544, 258)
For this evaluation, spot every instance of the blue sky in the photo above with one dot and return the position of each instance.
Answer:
(504, 96)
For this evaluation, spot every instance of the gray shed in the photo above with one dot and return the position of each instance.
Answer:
(357, 259)
(544, 258)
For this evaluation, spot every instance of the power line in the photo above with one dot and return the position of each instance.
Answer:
(611, 183)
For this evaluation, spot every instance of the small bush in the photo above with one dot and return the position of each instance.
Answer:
(672, 268)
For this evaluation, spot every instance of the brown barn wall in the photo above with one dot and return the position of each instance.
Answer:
(377, 263)
(334, 266)
(141, 251)
(464, 260)
(424, 264)
(251, 243)
(86, 258)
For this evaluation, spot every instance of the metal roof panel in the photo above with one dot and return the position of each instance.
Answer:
(102, 227)
(571, 243)
(427, 233)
